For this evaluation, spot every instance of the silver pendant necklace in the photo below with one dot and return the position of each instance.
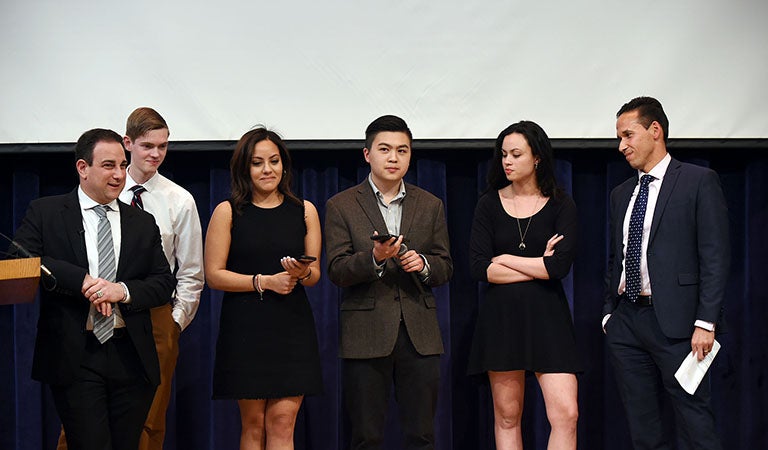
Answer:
(522, 233)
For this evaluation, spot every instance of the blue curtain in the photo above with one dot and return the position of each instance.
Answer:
(455, 172)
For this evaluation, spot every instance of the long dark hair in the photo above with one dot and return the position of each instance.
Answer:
(540, 147)
(240, 167)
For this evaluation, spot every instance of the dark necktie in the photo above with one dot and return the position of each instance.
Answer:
(635, 241)
(136, 200)
(103, 326)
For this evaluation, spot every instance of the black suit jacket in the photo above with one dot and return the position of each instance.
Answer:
(688, 248)
(371, 307)
(53, 229)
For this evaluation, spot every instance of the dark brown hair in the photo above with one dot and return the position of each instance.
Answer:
(541, 148)
(240, 167)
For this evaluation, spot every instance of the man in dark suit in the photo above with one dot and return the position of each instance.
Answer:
(389, 327)
(94, 343)
(667, 270)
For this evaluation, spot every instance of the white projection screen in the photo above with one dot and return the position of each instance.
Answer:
(324, 69)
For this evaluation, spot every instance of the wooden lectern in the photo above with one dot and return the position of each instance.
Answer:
(19, 279)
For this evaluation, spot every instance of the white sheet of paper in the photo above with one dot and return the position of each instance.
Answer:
(692, 371)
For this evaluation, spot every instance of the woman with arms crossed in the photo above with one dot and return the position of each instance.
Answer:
(266, 353)
(522, 243)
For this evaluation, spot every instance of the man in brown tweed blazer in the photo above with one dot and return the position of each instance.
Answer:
(389, 327)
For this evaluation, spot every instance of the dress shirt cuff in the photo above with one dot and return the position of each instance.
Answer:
(709, 326)
(426, 272)
(127, 297)
(379, 267)
(605, 320)
(180, 317)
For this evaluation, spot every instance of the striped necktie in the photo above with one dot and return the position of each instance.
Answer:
(136, 199)
(103, 326)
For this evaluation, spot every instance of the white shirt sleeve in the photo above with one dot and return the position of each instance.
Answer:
(188, 252)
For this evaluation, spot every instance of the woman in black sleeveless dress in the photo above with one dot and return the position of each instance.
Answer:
(523, 242)
(267, 353)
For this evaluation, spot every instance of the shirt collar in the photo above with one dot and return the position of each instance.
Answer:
(659, 169)
(88, 203)
(149, 185)
(380, 196)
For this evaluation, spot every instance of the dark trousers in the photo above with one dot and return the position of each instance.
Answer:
(645, 362)
(367, 385)
(105, 407)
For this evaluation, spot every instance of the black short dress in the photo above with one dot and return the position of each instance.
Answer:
(526, 325)
(266, 348)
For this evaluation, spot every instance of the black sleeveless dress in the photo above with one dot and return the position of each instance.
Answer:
(266, 348)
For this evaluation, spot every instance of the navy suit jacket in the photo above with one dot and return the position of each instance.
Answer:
(688, 249)
(53, 229)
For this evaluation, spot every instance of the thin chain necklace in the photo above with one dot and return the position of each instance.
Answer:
(530, 219)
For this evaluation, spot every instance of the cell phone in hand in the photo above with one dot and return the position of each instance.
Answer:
(305, 258)
(382, 237)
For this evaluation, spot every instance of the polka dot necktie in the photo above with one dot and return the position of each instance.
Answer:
(136, 200)
(635, 241)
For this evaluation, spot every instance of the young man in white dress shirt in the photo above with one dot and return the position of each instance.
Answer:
(175, 212)
(146, 137)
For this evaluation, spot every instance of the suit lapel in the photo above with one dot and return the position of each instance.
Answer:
(368, 203)
(667, 187)
(72, 220)
(621, 210)
(127, 216)
(410, 208)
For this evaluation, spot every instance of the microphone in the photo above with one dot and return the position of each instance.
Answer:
(18, 247)
(25, 253)
(414, 277)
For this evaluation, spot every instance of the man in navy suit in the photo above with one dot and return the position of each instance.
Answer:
(102, 382)
(669, 304)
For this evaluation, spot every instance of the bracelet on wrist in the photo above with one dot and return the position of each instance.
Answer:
(309, 274)
(259, 289)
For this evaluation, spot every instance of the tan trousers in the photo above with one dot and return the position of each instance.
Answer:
(166, 334)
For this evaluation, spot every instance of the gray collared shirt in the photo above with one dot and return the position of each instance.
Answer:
(392, 214)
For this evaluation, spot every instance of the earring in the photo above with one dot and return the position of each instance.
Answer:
(536, 165)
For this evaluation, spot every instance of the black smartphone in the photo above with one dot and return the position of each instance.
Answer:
(305, 258)
(382, 237)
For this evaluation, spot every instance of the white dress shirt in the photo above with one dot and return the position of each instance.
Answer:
(176, 216)
(91, 233)
(654, 187)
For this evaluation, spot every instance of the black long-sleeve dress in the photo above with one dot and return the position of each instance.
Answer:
(526, 325)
